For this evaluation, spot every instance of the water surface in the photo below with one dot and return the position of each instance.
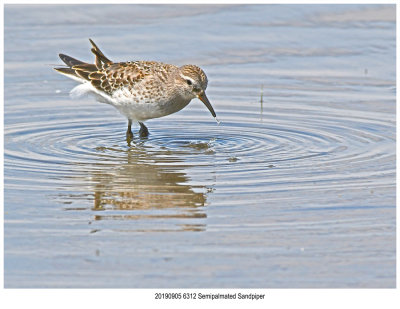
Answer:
(294, 188)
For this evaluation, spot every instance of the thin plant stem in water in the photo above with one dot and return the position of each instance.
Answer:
(261, 102)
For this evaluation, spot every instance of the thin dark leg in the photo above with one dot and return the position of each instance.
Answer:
(129, 134)
(144, 132)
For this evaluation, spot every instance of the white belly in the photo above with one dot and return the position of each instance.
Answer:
(142, 109)
(134, 108)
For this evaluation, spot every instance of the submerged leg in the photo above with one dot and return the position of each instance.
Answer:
(129, 134)
(144, 132)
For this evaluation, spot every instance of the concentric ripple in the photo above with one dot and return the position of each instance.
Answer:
(296, 148)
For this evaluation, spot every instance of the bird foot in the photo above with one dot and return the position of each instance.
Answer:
(143, 132)
(129, 137)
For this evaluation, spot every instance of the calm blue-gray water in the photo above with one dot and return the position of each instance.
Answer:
(294, 188)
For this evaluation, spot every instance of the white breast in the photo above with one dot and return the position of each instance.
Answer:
(135, 106)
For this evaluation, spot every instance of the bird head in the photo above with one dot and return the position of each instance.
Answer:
(193, 83)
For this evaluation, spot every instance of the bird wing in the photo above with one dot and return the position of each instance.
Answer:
(105, 75)
(117, 75)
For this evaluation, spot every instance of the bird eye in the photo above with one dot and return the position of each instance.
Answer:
(189, 82)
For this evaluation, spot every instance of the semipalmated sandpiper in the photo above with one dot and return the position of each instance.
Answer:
(140, 90)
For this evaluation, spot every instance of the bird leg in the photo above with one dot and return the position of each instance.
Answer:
(129, 134)
(144, 132)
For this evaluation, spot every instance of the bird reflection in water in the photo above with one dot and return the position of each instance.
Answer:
(149, 185)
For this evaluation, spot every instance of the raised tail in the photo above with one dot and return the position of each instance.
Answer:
(69, 71)
(79, 70)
